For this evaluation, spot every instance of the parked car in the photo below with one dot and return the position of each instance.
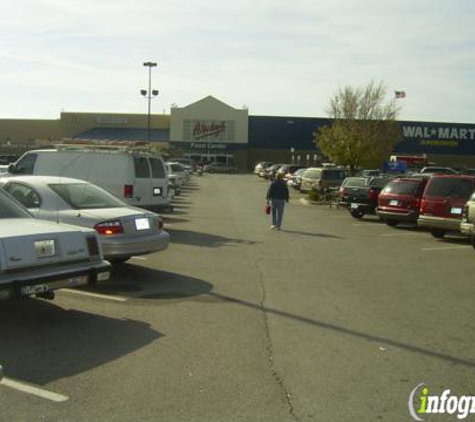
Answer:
(470, 172)
(322, 178)
(38, 257)
(135, 176)
(296, 180)
(400, 200)
(467, 226)
(218, 167)
(288, 170)
(437, 170)
(443, 201)
(360, 194)
(180, 171)
(266, 172)
(261, 166)
(124, 231)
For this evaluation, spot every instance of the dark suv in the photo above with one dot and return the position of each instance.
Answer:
(400, 200)
(443, 201)
(360, 194)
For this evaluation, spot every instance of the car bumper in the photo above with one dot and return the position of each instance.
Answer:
(122, 248)
(405, 216)
(467, 228)
(21, 284)
(449, 224)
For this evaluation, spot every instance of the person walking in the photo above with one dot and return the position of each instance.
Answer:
(277, 196)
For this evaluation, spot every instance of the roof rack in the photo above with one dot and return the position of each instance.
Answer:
(111, 145)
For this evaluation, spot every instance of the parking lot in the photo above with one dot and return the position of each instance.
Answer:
(331, 318)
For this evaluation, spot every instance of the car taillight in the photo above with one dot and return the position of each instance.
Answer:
(416, 203)
(465, 211)
(160, 223)
(128, 191)
(372, 194)
(93, 247)
(109, 227)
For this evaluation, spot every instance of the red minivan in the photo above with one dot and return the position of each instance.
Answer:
(442, 202)
(400, 200)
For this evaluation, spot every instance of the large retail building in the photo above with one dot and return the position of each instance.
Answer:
(210, 130)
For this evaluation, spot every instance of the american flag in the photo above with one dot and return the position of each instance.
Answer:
(400, 94)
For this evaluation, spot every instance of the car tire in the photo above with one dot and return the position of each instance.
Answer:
(392, 223)
(437, 233)
(356, 213)
(118, 261)
(472, 241)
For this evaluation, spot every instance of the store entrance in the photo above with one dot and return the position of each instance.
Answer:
(211, 158)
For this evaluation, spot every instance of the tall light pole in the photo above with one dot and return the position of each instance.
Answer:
(149, 94)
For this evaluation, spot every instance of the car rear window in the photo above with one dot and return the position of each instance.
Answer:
(402, 188)
(333, 174)
(447, 187)
(142, 170)
(82, 196)
(10, 209)
(158, 171)
(355, 182)
(379, 182)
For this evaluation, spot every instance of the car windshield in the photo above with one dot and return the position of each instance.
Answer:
(86, 196)
(177, 167)
(10, 209)
(445, 187)
(401, 187)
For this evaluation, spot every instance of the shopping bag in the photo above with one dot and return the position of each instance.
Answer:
(267, 209)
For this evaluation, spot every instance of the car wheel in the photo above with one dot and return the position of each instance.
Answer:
(392, 223)
(118, 261)
(472, 240)
(437, 233)
(356, 213)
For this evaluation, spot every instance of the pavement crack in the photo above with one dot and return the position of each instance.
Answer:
(270, 348)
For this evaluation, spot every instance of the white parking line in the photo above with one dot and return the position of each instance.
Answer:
(445, 248)
(95, 295)
(140, 258)
(400, 234)
(35, 391)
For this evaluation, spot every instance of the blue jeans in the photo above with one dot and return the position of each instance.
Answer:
(277, 211)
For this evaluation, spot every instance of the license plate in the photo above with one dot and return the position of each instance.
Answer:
(77, 281)
(354, 206)
(394, 202)
(45, 248)
(456, 210)
(34, 290)
(142, 223)
(104, 276)
(157, 191)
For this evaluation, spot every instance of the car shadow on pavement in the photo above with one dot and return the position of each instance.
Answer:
(138, 282)
(42, 342)
(322, 325)
(331, 236)
(188, 237)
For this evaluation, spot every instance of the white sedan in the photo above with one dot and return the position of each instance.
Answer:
(124, 231)
(38, 257)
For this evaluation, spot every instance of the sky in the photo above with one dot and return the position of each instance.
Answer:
(274, 57)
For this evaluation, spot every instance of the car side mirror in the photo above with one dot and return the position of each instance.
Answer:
(14, 169)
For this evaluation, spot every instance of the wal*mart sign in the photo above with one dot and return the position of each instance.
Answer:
(209, 130)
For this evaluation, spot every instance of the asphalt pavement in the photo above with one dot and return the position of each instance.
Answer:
(329, 319)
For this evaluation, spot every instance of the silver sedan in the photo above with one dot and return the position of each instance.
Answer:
(124, 231)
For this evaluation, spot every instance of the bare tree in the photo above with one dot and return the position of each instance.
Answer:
(364, 129)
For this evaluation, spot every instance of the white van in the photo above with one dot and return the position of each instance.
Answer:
(137, 177)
